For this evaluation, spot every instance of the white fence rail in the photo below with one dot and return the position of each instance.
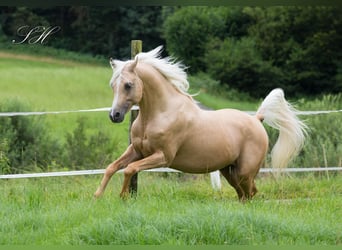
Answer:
(159, 170)
(9, 114)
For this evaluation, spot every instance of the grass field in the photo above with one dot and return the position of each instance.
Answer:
(302, 210)
(66, 87)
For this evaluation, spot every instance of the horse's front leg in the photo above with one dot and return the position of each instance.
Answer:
(127, 157)
(155, 160)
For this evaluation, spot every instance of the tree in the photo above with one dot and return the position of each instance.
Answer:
(187, 32)
(96, 30)
(239, 64)
(255, 49)
(304, 42)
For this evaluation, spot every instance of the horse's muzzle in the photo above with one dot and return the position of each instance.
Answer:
(116, 116)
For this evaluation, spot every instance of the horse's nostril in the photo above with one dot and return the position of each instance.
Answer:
(115, 116)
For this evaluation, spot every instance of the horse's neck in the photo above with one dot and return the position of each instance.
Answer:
(158, 95)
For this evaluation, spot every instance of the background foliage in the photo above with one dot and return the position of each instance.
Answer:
(256, 49)
(251, 49)
(25, 143)
(89, 29)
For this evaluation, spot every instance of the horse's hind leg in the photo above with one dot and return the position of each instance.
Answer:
(242, 181)
(248, 185)
(247, 170)
(233, 179)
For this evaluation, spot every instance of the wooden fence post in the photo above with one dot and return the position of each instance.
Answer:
(136, 47)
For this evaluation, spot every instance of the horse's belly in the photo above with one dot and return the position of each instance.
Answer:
(198, 165)
(204, 157)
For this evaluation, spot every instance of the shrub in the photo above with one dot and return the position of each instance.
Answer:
(238, 64)
(323, 147)
(4, 161)
(84, 151)
(25, 141)
(256, 49)
(188, 30)
(323, 144)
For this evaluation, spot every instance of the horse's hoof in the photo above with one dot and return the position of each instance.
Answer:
(97, 195)
(124, 195)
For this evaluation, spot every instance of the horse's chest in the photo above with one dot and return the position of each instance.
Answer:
(142, 145)
(156, 136)
(151, 140)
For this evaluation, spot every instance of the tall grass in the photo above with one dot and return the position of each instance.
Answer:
(323, 147)
(170, 211)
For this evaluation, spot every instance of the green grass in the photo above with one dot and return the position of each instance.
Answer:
(39, 51)
(176, 210)
(59, 86)
(221, 103)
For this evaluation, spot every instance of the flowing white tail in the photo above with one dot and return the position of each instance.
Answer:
(279, 114)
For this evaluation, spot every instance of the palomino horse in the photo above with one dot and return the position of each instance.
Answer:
(171, 130)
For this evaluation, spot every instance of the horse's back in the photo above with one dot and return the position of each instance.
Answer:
(235, 125)
(216, 139)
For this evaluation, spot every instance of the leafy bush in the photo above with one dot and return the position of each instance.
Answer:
(84, 151)
(187, 32)
(304, 42)
(256, 49)
(25, 141)
(238, 64)
(4, 161)
(323, 146)
(26, 145)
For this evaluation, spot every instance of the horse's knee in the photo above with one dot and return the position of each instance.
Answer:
(130, 171)
(109, 171)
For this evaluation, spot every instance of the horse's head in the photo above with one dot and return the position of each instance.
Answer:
(127, 88)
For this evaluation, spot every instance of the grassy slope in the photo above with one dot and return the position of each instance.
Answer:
(56, 86)
(294, 211)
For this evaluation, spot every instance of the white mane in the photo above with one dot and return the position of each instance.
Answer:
(173, 71)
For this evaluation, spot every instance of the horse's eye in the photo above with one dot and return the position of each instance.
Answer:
(128, 85)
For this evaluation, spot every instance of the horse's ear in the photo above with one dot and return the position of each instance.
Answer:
(133, 65)
(111, 62)
(114, 63)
